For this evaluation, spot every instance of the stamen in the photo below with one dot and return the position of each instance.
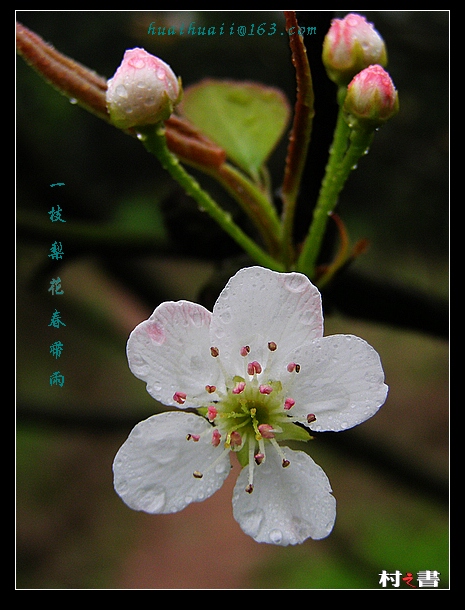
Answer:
(266, 430)
(293, 367)
(311, 418)
(180, 397)
(245, 350)
(234, 439)
(216, 437)
(289, 403)
(249, 488)
(212, 412)
(194, 437)
(254, 368)
(239, 387)
(285, 463)
(259, 457)
(210, 388)
(272, 346)
(199, 475)
(215, 352)
(265, 389)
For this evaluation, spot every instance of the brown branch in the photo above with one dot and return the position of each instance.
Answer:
(69, 77)
(183, 139)
(89, 88)
(299, 138)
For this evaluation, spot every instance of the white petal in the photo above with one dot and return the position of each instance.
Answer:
(341, 381)
(153, 470)
(258, 306)
(287, 505)
(171, 352)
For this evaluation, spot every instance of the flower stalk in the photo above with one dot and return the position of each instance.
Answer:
(154, 140)
(365, 103)
(341, 163)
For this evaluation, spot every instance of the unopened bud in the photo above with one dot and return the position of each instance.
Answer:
(371, 98)
(351, 45)
(143, 91)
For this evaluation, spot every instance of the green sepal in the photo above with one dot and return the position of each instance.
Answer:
(292, 432)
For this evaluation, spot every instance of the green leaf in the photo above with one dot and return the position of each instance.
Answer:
(246, 119)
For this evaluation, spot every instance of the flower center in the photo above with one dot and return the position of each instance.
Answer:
(248, 407)
(252, 411)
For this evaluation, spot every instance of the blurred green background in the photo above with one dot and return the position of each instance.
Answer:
(132, 240)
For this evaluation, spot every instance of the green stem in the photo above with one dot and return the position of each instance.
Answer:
(154, 141)
(341, 162)
(252, 200)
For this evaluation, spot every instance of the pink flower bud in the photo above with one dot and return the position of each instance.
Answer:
(371, 98)
(143, 91)
(351, 45)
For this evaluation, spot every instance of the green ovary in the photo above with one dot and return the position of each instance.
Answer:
(245, 411)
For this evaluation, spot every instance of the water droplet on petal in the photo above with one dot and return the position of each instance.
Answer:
(307, 317)
(121, 91)
(220, 468)
(138, 63)
(252, 521)
(276, 536)
(296, 282)
(155, 332)
(225, 316)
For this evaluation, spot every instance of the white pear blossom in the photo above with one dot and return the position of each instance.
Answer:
(252, 374)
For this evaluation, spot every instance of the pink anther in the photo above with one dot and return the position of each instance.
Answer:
(212, 412)
(266, 430)
(235, 439)
(180, 397)
(239, 387)
(254, 368)
(289, 403)
(216, 438)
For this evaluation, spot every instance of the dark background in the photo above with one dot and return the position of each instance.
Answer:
(390, 476)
